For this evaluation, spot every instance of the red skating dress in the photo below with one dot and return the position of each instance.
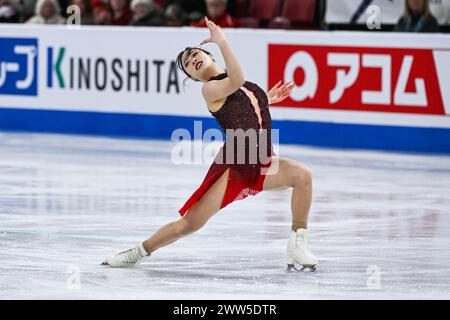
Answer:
(246, 174)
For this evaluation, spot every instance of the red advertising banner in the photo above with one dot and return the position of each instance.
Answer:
(357, 78)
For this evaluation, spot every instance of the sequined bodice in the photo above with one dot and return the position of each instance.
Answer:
(238, 112)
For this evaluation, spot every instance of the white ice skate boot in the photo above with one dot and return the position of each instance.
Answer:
(127, 258)
(298, 253)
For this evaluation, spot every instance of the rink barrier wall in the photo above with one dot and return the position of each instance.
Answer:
(384, 91)
(322, 134)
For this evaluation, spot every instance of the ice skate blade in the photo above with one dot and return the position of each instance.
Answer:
(131, 265)
(311, 268)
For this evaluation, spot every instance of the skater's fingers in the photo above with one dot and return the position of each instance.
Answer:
(277, 85)
(211, 25)
(208, 23)
(288, 85)
(288, 88)
(205, 41)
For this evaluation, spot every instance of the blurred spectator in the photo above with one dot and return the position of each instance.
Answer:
(101, 13)
(28, 7)
(63, 4)
(279, 23)
(189, 6)
(175, 16)
(146, 13)
(10, 11)
(217, 12)
(85, 11)
(47, 12)
(193, 10)
(121, 13)
(417, 18)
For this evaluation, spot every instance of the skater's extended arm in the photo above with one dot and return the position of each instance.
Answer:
(216, 90)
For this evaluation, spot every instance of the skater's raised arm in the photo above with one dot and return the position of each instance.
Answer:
(216, 90)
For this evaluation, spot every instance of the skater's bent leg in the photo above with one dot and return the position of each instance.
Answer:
(293, 174)
(193, 220)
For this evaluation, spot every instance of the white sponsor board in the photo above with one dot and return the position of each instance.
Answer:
(132, 70)
(344, 11)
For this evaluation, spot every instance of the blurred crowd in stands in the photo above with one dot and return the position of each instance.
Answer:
(277, 14)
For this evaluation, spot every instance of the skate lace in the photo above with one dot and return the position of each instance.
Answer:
(300, 241)
(129, 256)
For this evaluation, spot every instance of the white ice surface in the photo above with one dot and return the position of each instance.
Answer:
(66, 202)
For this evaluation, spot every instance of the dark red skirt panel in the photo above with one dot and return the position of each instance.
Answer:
(242, 182)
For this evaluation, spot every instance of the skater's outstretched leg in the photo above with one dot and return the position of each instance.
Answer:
(192, 221)
(285, 173)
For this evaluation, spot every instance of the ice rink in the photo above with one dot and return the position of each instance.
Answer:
(379, 223)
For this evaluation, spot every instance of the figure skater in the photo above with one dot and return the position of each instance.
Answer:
(238, 106)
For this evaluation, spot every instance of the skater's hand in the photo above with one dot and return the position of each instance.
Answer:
(216, 34)
(280, 92)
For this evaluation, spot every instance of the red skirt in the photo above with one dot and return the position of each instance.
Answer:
(243, 180)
